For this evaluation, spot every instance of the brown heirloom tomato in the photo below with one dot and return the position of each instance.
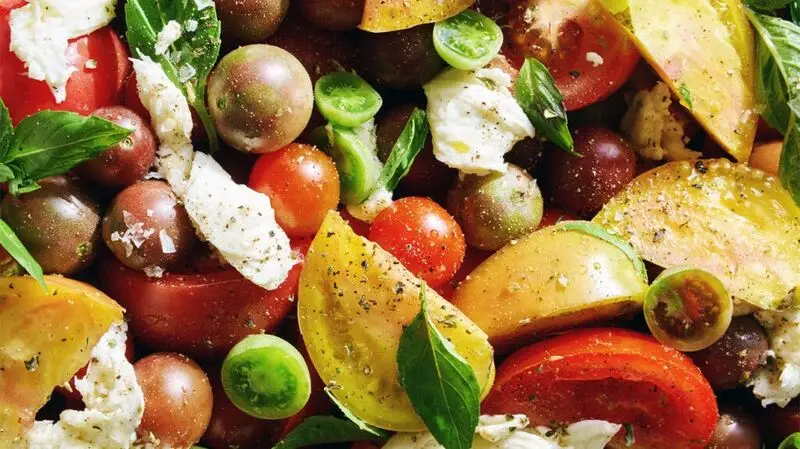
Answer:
(250, 21)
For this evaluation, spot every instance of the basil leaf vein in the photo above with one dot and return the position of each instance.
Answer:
(537, 94)
(404, 151)
(316, 430)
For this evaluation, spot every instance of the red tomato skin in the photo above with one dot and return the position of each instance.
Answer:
(615, 375)
(87, 89)
(131, 98)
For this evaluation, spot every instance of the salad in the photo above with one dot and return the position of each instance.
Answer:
(401, 224)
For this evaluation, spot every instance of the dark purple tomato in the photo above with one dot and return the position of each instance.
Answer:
(735, 430)
(177, 399)
(527, 154)
(403, 59)
(250, 21)
(335, 15)
(58, 224)
(584, 184)
(260, 97)
(735, 356)
(129, 160)
(147, 227)
(427, 176)
(777, 423)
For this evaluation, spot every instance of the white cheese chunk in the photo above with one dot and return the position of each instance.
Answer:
(114, 403)
(367, 211)
(779, 382)
(167, 36)
(474, 119)
(514, 432)
(594, 58)
(40, 32)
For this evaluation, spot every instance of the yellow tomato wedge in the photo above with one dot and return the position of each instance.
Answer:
(705, 51)
(44, 339)
(548, 281)
(354, 301)
(731, 220)
(381, 16)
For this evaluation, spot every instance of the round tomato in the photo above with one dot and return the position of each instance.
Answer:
(615, 375)
(588, 54)
(87, 89)
(425, 238)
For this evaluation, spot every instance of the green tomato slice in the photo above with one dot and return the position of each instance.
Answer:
(266, 377)
(687, 308)
(468, 40)
(346, 99)
(355, 154)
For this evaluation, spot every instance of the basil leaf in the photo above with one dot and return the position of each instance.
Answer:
(791, 442)
(6, 174)
(380, 433)
(537, 94)
(53, 142)
(794, 11)
(404, 151)
(440, 384)
(316, 430)
(767, 5)
(15, 248)
(789, 166)
(778, 56)
(189, 60)
(6, 130)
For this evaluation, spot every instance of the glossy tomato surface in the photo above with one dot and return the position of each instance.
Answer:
(615, 375)
(87, 89)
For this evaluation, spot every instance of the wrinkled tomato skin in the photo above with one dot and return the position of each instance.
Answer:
(87, 89)
(616, 375)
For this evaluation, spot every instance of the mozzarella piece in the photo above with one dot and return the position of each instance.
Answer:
(40, 32)
(474, 119)
(114, 403)
(779, 382)
(513, 432)
(167, 36)
(367, 211)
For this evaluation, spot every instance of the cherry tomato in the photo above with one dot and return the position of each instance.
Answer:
(778, 423)
(359, 227)
(552, 216)
(335, 15)
(615, 375)
(87, 89)
(425, 238)
(302, 183)
(587, 52)
(130, 98)
(177, 399)
(735, 430)
(734, 357)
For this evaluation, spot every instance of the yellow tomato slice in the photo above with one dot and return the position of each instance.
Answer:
(381, 16)
(45, 337)
(705, 51)
(354, 301)
(731, 220)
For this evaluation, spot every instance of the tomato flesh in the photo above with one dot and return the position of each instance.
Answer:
(611, 374)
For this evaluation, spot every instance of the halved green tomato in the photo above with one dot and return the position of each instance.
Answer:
(354, 301)
(731, 220)
(704, 50)
(468, 40)
(346, 99)
(355, 153)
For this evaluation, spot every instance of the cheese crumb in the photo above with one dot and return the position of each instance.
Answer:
(153, 271)
(167, 244)
(367, 211)
(594, 58)
(167, 36)
(779, 382)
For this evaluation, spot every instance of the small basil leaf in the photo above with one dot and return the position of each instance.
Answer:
(791, 442)
(630, 436)
(794, 11)
(189, 60)
(404, 151)
(53, 142)
(440, 384)
(380, 433)
(317, 430)
(537, 94)
(6, 174)
(789, 166)
(19, 186)
(6, 131)
(15, 248)
(767, 5)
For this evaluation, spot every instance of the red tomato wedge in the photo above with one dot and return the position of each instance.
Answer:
(616, 375)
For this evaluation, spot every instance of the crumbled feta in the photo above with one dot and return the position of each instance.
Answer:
(652, 129)
(167, 244)
(203, 4)
(167, 36)
(114, 403)
(474, 119)
(237, 221)
(514, 432)
(91, 64)
(186, 72)
(594, 58)
(153, 271)
(40, 34)
(379, 200)
(135, 233)
(779, 382)
(191, 25)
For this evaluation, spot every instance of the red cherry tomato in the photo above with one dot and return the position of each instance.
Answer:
(302, 183)
(615, 375)
(359, 227)
(425, 238)
(588, 54)
(130, 98)
(87, 89)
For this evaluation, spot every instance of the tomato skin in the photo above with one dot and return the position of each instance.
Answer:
(425, 238)
(560, 34)
(87, 89)
(611, 374)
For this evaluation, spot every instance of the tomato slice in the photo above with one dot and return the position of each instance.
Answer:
(615, 375)
(587, 52)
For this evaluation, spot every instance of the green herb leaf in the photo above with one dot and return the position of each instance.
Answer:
(794, 11)
(53, 142)
(767, 5)
(15, 248)
(6, 130)
(630, 437)
(686, 94)
(440, 384)
(404, 151)
(317, 430)
(6, 174)
(380, 433)
(189, 60)
(789, 166)
(537, 94)
(791, 442)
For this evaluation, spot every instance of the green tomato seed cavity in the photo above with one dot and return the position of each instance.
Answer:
(468, 40)
(346, 99)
